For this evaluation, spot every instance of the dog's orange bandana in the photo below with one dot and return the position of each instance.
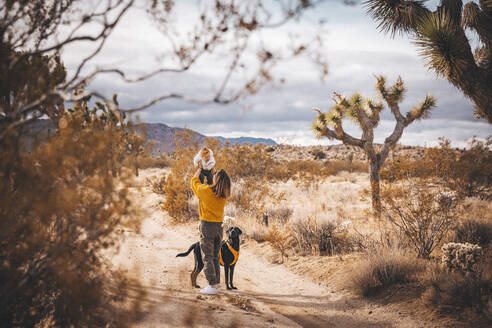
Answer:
(233, 251)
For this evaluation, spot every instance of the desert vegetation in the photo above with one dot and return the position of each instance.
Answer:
(64, 200)
(62, 205)
(432, 238)
(378, 221)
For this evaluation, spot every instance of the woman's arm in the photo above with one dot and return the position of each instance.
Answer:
(196, 185)
(198, 171)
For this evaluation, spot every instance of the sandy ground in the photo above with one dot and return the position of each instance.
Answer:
(269, 295)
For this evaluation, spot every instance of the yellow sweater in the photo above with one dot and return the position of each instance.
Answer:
(210, 207)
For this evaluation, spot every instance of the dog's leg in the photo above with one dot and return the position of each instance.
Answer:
(232, 276)
(198, 267)
(226, 273)
(194, 274)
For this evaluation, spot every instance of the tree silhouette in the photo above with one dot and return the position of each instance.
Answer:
(441, 37)
(33, 35)
(366, 114)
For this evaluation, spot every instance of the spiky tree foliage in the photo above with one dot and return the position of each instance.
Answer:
(440, 35)
(366, 114)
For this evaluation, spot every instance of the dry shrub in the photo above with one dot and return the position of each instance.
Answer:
(279, 214)
(333, 167)
(381, 268)
(158, 185)
(161, 161)
(280, 238)
(60, 208)
(251, 197)
(255, 231)
(473, 231)
(247, 161)
(471, 174)
(453, 291)
(467, 172)
(178, 193)
(177, 189)
(313, 236)
(404, 167)
(475, 226)
(422, 215)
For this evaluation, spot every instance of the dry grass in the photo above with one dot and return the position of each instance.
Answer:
(252, 227)
(475, 226)
(157, 184)
(161, 161)
(314, 222)
(450, 291)
(317, 237)
(382, 268)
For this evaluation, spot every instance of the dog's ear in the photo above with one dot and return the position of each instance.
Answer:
(239, 231)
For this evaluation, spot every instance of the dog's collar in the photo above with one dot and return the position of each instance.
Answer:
(233, 251)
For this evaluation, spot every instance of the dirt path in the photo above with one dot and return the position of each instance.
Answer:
(269, 295)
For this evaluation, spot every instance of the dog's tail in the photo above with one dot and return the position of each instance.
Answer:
(187, 252)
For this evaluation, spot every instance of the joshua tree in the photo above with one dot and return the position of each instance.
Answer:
(440, 35)
(366, 114)
(135, 146)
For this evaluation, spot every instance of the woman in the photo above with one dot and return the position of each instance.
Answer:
(211, 203)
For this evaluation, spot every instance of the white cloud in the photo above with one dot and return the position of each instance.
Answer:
(355, 49)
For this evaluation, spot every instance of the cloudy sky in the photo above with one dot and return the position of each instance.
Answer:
(355, 50)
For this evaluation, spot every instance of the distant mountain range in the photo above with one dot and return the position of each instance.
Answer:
(160, 135)
(162, 138)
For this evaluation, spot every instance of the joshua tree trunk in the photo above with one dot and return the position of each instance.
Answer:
(374, 168)
(136, 165)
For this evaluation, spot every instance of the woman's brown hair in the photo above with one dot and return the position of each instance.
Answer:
(222, 185)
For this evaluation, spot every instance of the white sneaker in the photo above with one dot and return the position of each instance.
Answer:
(209, 290)
(219, 289)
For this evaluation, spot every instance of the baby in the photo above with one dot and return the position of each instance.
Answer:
(206, 157)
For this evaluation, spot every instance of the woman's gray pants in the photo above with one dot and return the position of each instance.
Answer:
(210, 239)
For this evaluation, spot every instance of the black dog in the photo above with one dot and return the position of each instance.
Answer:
(229, 253)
